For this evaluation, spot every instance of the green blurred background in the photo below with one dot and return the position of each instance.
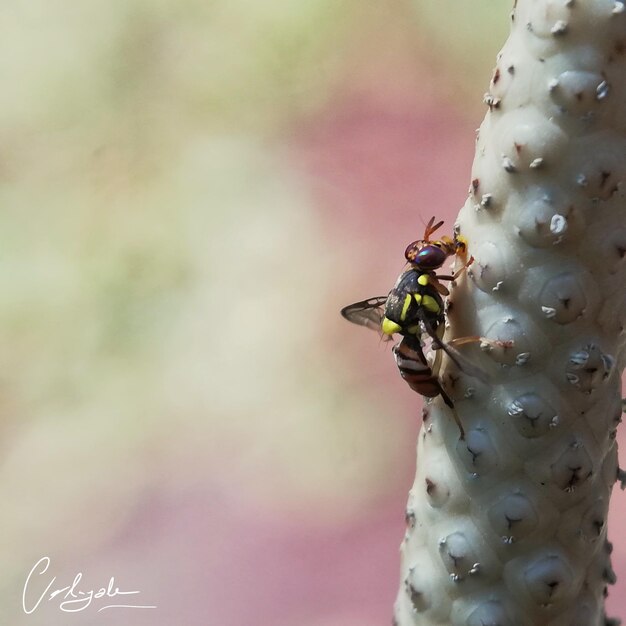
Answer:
(190, 191)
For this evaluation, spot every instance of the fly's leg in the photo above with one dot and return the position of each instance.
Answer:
(494, 343)
(456, 357)
(448, 401)
(458, 272)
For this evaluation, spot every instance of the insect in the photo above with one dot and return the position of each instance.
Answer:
(414, 307)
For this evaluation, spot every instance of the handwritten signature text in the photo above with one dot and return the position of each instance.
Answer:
(71, 599)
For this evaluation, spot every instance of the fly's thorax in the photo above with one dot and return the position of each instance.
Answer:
(412, 297)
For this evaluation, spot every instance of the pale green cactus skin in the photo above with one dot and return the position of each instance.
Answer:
(508, 527)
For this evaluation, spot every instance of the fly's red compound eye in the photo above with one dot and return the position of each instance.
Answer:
(412, 249)
(426, 257)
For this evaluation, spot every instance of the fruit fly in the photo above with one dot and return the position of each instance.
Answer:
(414, 307)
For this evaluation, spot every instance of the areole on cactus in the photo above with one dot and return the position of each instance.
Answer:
(507, 527)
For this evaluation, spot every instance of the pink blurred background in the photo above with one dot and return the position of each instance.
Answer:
(193, 190)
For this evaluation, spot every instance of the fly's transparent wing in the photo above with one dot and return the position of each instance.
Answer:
(457, 358)
(368, 313)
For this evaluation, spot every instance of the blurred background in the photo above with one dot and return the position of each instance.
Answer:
(190, 191)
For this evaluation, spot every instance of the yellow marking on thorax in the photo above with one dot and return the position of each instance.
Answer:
(431, 304)
(405, 307)
(423, 279)
(418, 298)
(388, 327)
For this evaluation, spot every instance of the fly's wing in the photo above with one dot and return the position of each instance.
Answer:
(435, 363)
(368, 313)
(457, 358)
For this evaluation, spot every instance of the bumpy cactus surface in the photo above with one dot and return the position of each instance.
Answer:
(509, 526)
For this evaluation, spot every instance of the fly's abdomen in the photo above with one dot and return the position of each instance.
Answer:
(415, 370)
